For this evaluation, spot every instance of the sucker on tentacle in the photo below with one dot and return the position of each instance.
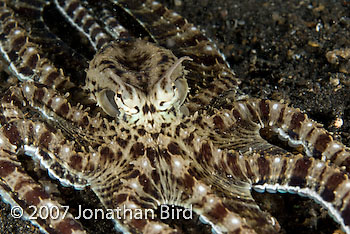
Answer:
(23, 57)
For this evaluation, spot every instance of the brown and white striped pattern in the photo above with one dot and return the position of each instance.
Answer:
(80, 17)
(321, 181)
(23, 57)
(19, 189)
(248, 118)
(23, 191)
(113, 26)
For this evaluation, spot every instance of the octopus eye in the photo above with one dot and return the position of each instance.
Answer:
(106, 99)
(181, 88)
(118, 103)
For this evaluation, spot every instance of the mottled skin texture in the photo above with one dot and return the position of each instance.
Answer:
(177, 131)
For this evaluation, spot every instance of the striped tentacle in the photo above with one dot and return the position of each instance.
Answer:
(131, 193)
(45, 140)
(205, 185)
(227, 207)
(248, 120)
(209, 75)
(84, 21)
(39, 140)
(109, 18)
(24, 58)
(306, 176)
(113, 26)
(19, 189)
(221, 214)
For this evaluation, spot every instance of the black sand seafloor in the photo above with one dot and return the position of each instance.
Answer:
(280, 50)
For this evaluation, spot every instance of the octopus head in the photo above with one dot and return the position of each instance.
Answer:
(138, 82)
